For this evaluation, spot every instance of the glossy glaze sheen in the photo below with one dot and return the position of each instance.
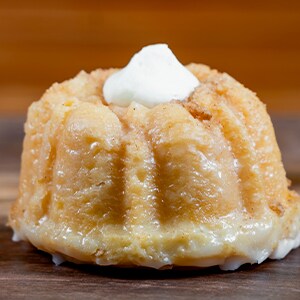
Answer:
(192, 183)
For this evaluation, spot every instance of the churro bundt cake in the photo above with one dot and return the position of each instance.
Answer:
(154, 165)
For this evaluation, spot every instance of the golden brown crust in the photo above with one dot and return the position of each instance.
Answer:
(184, 183)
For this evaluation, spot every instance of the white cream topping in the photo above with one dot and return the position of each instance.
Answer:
(153, 76)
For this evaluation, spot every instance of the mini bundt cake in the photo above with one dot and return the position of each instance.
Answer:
(197, 182)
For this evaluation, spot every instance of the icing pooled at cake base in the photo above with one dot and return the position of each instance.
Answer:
(153, 76)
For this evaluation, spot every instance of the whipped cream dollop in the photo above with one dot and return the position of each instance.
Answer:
(153, 76)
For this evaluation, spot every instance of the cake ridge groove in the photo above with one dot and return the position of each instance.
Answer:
(237, 136)
(253, 113)
(139, 176)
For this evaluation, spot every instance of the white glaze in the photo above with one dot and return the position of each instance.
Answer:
(16, 236)
(285, 246)
(57, 259)
(230, 263)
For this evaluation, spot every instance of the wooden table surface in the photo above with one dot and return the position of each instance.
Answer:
(26, 273)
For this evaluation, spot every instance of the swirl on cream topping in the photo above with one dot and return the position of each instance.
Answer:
(153, 76)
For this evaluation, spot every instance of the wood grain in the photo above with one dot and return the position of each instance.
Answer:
(42, 42)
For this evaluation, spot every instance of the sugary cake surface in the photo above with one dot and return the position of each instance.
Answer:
(198, 182)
